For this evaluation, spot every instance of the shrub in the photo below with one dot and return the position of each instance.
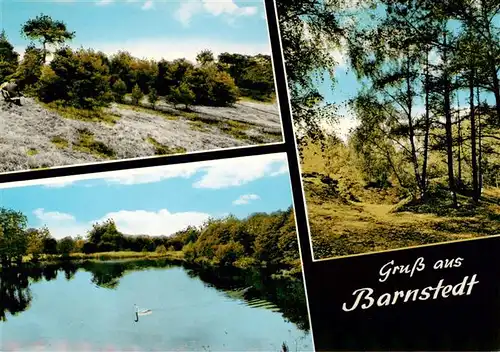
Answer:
(153, 97)
(227, 254)
(8, 57)
(30, 70)
(161, 249)
(119, 89)
(190, 252)
(211, 86)
(182, 95)
(137, 95)
(79, 78)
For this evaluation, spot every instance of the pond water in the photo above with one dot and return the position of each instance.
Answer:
(90, 307)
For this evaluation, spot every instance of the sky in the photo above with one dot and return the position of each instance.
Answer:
(154, 200)
(149, 28)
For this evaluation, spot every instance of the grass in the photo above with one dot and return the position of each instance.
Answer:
(161, 149)
(96, 115)
(149, 111)
(173, 255)
(256, 98)
(235, 129)
(349, 216)
(32, 152)
(60, 142)
(198, 126)
(42, 167)
(340, 229)
(190, 115)
(87, 144)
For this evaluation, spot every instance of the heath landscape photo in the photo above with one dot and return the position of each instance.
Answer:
(84, 82)
(198, 257)
(396, 106)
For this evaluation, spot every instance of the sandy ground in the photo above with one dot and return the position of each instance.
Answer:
(26, 132)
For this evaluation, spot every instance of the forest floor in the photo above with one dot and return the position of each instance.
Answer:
(36, 136)
(340, 228)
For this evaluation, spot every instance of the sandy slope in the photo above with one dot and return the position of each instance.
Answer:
(26, 132)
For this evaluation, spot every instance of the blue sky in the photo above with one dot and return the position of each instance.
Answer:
(157, 200)
(150, 28)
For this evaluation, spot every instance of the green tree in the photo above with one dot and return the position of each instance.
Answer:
(36, 239)
(211, 86)
(77, 78)
(310, 32)
(182, 95)
(143, 73)
(29, 71)
(161, 249)
(137, 95)
(47, 31)
(153, 97)
(121, 68)
(50, 245)
(119, 89)
(79, 243)
(205, 57)
(65, 245)
(9, 59)
(13, 239)
(258, 79)
(223, 91)
(227, 254)
(105, 237)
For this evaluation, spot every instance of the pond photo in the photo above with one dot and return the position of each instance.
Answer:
(190, 257)
(90, 81)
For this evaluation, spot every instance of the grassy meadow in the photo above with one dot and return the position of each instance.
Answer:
(349, 217)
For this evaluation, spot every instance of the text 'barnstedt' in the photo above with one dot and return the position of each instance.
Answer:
(365, 298)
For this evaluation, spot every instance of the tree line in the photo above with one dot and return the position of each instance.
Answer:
(429, 111)
(260, 238)
(90, 79)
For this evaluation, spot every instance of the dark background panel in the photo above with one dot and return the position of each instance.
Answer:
(460, 323)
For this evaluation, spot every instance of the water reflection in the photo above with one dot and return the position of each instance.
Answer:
(254, 288)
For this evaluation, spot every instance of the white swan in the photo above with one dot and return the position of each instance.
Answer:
(142, 311)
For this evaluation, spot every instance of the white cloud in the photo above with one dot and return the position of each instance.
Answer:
(189, 8)
(242, 170)
(138, 222)
(214, 173)
(61, 224)
(340, 57)
(152, 174)
(186, 10)
(41, 214)
(158, 223)
(342, 128)
(148, 5)
(245, 199)
(104, 2)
